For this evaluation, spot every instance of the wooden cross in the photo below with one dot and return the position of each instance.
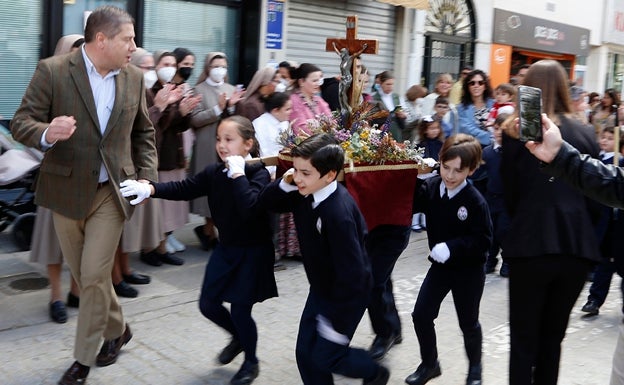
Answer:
(353, 45)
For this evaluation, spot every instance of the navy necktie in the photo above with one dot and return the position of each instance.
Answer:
(445, 197)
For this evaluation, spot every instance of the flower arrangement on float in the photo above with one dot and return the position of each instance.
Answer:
(380, 173)
(362, 141)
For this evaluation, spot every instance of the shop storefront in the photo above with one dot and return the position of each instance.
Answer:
(520, 39)
(614, 45)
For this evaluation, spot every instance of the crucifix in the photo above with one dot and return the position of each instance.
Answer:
(348, 49)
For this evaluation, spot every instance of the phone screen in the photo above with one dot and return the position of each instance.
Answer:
(530, 100)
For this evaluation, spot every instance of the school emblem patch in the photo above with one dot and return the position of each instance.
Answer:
(462, 213)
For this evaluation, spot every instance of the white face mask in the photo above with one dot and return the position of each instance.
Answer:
(150, 78)
(218, 74)
(281, 87)
(165, 74)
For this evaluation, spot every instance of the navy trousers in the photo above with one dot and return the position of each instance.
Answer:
(466, 285)
(318, 358)
(384, 245)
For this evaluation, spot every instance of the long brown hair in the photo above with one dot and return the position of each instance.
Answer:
(551, 77)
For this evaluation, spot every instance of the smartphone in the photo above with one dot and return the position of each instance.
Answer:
(530, 103)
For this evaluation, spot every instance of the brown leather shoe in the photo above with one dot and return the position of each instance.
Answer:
(111, 348)
(75, 375)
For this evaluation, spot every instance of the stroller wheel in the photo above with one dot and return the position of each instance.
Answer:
(23, 229)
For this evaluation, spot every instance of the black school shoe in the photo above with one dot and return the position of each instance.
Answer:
(423, 374)
(246, 374)
(58, 312)
(227, 355)
(151, 258)
(135, 278)
(122, 289)
(73, 300)
(171, 259)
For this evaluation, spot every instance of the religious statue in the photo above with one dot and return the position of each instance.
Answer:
(346, 77)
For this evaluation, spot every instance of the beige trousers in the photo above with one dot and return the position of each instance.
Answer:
(617, 374)
(89, 246)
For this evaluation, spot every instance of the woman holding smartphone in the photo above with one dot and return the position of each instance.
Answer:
(550, 245)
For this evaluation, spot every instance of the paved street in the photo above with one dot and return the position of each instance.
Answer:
(174, 344)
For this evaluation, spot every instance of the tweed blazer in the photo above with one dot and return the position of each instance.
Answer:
(68, 177)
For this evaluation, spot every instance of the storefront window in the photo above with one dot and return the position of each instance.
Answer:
(449, 17)
(449, 30)
(199, 27)
(20, 44)
(615, 75)
(74, 14)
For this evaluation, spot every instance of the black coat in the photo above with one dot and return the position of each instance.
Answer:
(548, 216)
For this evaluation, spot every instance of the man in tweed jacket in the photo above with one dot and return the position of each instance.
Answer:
(87, 111)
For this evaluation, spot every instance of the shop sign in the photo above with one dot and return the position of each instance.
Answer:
(614, 27)
(543, 35)
(275, 24)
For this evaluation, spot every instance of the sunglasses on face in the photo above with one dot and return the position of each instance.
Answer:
(476, 83)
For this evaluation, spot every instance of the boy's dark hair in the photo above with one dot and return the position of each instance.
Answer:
(275, 100)
(462, 146)
(507, 88)
(246, 131)
(323, 151)
(442, 100)
(500, 119)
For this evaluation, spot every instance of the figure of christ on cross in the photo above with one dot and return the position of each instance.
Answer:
(346, 77)
(349, 49)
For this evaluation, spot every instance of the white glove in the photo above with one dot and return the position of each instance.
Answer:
(287, 183)
(130, 187)
(440, 253)
(430, 162)
(235, 165)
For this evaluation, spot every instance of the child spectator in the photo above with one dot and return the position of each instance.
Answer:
(492, 155)
(504, 94)
(459, 235)
(413, 108)
(331, 232)
(431, 139)
(609, 229)
(445, 115)
(240, 269)
(271, 124)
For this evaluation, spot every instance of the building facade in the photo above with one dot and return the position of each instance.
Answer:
(493, 35)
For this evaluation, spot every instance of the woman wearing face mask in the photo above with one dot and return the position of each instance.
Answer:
(264, 82)
(306, 103)
(185, 62)
(219, 99)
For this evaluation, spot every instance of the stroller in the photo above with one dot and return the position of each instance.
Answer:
(18, 169)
